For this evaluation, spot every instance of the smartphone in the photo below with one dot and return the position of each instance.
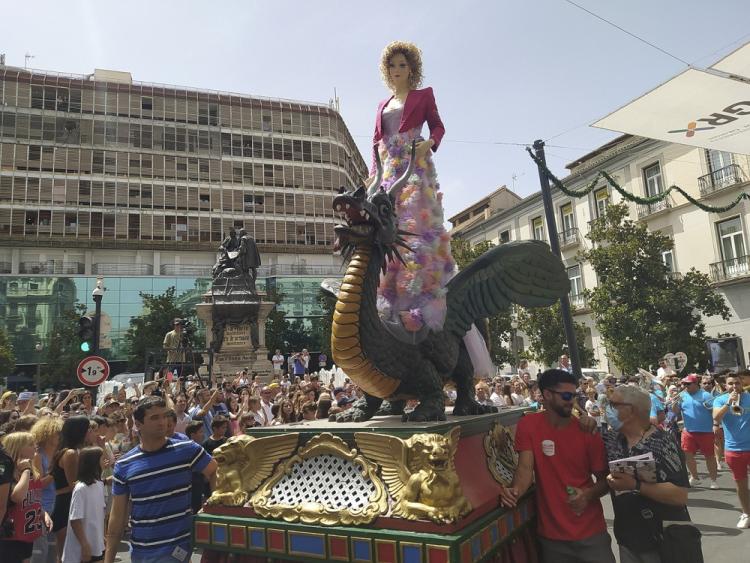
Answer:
(115, 389)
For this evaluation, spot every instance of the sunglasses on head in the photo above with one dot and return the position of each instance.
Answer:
(564, 395)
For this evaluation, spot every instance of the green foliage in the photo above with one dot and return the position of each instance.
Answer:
(641, 312)
(62, 354)
(7, 356)
(500, 331)
(146, 332)
(276, 323)
(543, 327)
(322, 326)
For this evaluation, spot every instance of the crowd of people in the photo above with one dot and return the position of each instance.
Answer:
(69, 459)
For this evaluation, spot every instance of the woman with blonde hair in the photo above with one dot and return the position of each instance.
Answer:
(46, 433)
(25, 510)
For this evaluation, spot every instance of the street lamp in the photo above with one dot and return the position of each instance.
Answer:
(97, 295)
(513, 328)
(39, 347)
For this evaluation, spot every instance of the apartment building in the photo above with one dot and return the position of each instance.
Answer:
(140, 182)
(715, 244)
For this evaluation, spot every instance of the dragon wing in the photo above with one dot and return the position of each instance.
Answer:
(263, 454)
(390, 454)
(525, 273)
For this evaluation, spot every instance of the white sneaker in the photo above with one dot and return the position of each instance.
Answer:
(744, 522)
(713, 486)
(694, 482)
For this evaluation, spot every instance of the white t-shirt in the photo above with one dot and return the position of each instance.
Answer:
(591, 407)
(87, 504)
(277, 361)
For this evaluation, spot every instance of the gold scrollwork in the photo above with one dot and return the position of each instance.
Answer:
(420, 474)
(270, 501)
(502, 458)
(245, 462)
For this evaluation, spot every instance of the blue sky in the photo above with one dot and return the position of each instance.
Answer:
(502, 71)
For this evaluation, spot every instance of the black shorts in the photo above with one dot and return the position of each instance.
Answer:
(15, 551)
(61, 511)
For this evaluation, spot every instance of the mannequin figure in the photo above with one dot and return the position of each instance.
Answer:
(412, 295)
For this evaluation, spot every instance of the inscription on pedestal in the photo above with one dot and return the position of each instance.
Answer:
(236, 336)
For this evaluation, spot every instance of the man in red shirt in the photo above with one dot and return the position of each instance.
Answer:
(563, 457)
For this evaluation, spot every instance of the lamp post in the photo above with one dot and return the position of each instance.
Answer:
(513, 351)
(39, 347)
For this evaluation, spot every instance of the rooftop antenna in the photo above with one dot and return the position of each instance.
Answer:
(333, 103)
(27, 57)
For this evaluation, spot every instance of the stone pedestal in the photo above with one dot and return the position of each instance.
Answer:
(237, 351)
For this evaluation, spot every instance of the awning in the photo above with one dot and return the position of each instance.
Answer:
(703, 108)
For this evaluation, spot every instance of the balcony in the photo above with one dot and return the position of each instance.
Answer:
(5, 267)
(578, 301)
(192, 270)
(674, 276)
(646, 209)
(725, 177)
(122, 269)
(569, 237)
(727, 270)
(51, 267)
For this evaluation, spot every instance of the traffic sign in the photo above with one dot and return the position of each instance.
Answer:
(92, 371)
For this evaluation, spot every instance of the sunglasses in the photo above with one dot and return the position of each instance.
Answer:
(564, 395)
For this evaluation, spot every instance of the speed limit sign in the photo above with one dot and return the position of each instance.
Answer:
(93, 370)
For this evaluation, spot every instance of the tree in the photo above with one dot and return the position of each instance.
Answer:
(7, 356)
(63, 352)
(499, 329)
(544, 328)
(146, 332)
(641, 311)
(276, 324)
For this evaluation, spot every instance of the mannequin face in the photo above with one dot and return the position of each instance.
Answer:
(399, 72)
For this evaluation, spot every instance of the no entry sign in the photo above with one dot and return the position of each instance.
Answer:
(93, 370)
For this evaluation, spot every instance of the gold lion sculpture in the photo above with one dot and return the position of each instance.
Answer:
(245, 462)
(420, 474)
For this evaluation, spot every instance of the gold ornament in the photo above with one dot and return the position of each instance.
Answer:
(420, 474)
(324, 483)
(245, 462)
(502, 457)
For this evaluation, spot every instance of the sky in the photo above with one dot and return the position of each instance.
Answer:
(504, 72)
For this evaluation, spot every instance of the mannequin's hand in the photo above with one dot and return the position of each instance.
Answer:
(423, 147)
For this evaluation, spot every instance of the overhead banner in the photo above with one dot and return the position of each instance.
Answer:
(737, 62)
(695, 108)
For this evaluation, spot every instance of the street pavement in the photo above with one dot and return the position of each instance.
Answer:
(715, 513)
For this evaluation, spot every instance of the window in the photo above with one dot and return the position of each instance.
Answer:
(576, 285)
(147, 103)
(35, 152)
(718, 160)
(731, 239)
(504, 237)
(601, 196)
(537, 226)
(653, 180)
(566, 214)
(668, 258)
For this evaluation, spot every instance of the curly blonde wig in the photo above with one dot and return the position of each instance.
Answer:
(413, 58)
(45, 428)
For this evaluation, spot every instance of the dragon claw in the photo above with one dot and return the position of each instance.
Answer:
(464, 408)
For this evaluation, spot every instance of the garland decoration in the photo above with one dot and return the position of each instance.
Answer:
(645, 200)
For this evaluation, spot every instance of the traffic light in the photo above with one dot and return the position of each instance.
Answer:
(86, 333)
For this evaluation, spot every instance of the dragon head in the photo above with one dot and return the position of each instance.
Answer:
(368, 215)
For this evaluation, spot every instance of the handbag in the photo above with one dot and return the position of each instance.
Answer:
(680, 543)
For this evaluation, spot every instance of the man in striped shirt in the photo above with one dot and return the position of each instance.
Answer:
(156, 479)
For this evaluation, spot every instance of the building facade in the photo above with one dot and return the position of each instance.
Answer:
(715, 244)
(139, 183)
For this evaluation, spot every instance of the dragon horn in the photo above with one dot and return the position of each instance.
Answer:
(398, 255)
(401, 182)
(379, 176)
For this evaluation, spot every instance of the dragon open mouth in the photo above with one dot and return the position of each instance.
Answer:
(357, 223)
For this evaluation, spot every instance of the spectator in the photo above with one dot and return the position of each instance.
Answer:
(277, 360)
(732, 411)
(219, 426)
(286, 413)
(564, 364)
(87, 505)
(309, 411)
(482, 393)
(64, 471)
(497, 397)
(204, 411)
(562, 457)
(161, 524)
(171, 416)
(696, 407)
(46, 432)
(180, 410)
(265, 405)
(632, 434)
(592, 408)
(324, 406)
(24, 508)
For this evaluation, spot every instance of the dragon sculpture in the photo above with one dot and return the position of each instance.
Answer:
(391, 367)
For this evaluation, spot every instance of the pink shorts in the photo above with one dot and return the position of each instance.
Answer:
(694, 441)
(738, 462)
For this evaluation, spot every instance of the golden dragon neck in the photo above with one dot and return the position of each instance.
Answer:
(346, 339)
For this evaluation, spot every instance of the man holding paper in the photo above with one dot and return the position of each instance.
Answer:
(647, 476)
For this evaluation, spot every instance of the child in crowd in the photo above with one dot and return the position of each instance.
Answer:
(85, 541)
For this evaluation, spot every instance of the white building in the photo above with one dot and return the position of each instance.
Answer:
(715, 244)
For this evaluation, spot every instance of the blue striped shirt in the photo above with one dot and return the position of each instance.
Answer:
(159, 485)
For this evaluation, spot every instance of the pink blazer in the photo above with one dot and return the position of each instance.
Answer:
(419, 107)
